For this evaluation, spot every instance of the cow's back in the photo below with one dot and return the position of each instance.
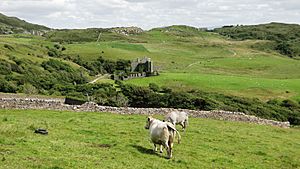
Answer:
(181, 116)
(176, 117)
(159, 132)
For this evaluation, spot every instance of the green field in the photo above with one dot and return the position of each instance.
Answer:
(205, 61)
(262, 88)
(104, 140)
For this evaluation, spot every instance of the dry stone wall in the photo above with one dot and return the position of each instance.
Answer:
(58, 104)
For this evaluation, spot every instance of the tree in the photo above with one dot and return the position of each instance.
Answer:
(285, 49)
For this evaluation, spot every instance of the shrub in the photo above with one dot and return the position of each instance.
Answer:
(52, 52)
(9, 47)
(5, 67)
(29, 89)
(289, 104)
(154, 87)
(285, 49)
(57, 46)
(165, 89)
(7, 87)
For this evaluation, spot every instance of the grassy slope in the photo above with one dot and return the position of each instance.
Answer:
(23, 45)
(181, 52)
(28, 47)
(262, 88)
(204, 55)
(16, 25)
(103, 140)
(280, 32)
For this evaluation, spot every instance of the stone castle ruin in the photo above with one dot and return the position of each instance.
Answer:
(139, 68)
(142, 65)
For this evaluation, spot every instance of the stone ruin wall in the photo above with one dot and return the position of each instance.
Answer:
(58, 104)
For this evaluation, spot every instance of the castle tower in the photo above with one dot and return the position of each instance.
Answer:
(150, 65)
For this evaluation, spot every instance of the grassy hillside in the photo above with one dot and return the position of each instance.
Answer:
(252, 87)
(286, 36)
(104, 140)
(27, 67)
(9, 25)
(179, 51)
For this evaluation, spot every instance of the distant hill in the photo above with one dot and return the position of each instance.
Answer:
(286, 36)
(92, 34)
(180, 30)
(11, 25)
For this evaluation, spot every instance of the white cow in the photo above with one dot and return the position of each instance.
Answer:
(178, 117)
(162, 133)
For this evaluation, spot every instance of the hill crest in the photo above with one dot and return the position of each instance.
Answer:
(12, 25)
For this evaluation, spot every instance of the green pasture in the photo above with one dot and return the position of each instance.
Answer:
(209, 63)
(262, 88)
(205, 54)
(104, 140)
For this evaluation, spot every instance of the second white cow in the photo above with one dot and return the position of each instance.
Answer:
(178, 117)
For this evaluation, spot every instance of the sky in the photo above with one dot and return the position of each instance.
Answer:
(148, 14)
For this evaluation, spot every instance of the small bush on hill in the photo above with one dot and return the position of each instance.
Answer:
(53, 52)
(154, 87)
(5, 67)
(9, 47)
(7, 87)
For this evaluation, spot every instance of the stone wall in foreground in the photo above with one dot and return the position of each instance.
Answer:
(58, 104)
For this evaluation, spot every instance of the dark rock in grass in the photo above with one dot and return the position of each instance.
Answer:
(103, 145)
(41, 131)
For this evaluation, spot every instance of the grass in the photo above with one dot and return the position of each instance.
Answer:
(214, 63)
(207, 53)
(104, 140)
(23, 47)
(262, 88)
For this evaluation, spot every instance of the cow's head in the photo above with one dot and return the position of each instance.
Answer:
(148, 122)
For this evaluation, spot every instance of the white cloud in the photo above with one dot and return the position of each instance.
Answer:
(151, 13)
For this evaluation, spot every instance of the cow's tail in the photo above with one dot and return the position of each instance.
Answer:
(172, 127)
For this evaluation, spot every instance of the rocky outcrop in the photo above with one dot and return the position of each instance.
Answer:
(58, 104)
(127, 30)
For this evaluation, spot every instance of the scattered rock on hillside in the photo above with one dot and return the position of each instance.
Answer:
(127, 30)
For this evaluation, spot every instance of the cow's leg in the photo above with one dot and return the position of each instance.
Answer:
(155, 148)
(170, 143)
(170, 149)
(182, 125)
(186, 123)
(166, 145)
(161, 149)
